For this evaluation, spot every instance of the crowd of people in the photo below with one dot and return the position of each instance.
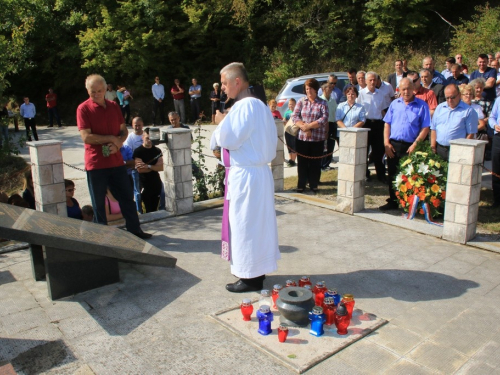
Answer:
(411, 106)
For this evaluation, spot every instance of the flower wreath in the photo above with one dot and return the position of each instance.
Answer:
(422, 174)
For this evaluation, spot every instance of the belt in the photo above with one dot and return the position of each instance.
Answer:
(446, 147)
(195, 98)
(28, 118)
(407, 143)
(373, 120)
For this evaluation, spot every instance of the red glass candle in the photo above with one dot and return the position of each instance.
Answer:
(282, 332)
(319, 293)
(304, 280)
(329, 310)
(290, 283)
(246, 309)
(275, 294)
(348, 300)
(342, 319)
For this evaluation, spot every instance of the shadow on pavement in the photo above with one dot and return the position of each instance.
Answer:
(403, 285)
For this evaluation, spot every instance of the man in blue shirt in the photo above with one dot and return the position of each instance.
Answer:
(428, 63)
(452, 119)
(489, 75)
(494, 123)
(159, 97)
(406, 123)
(456, 76)
(28, 113)
(195, 94)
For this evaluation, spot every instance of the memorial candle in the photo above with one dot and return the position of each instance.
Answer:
(246, 309)
(282, 332)
(275, 294)
(319, 293)
(304, 280)
(348, 300)
(329, 310)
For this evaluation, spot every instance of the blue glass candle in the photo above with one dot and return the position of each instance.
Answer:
(317, 318)
(334, 294)
(265, 317)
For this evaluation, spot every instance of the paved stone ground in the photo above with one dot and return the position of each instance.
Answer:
(441, 301)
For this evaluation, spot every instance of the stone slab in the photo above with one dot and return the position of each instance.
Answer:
(301, 351)
(45, 229)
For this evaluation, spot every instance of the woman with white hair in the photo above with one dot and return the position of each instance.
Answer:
(215, 98)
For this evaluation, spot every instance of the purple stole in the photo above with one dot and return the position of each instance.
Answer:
(226, 249)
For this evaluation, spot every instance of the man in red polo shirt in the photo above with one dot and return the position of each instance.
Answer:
(103, 132)
(51, 99)
(421, 92)
(178, 94)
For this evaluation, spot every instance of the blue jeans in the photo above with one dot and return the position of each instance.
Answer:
(137, 190)
(118, 182)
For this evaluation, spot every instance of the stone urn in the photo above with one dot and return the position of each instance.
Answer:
(294, 303)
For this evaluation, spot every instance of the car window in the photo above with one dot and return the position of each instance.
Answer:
(298, 89)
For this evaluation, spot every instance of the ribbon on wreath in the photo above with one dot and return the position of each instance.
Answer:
(225, 233)
(428, 216)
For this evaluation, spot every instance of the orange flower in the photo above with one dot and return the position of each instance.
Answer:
(397, 193)
(436, 203)
(443, 194)
(435, 188)
(402, 203)
(408, 185)
(421, 211)
(421, 196)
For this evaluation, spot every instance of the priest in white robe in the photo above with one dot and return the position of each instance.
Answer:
(247, 135)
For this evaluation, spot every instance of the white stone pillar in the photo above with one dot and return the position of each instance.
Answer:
(48, 176)
(177, 171)
(352, 169)
(277, 166)
(462, 189)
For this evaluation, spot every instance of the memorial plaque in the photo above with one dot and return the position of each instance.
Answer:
(75, 255)
(40, 228)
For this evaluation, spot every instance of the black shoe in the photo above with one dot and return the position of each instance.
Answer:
(245, 285)
(389, 206)
(143, 235)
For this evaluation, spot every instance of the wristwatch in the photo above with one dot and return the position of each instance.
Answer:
(149, 166)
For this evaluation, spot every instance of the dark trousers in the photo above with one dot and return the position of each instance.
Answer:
(151, 195)
(30, 124)
(330, 144)
(195, 108)
(126, 113)
(118, 182)
(495, 162)
(53, 113)
(443, 151)
(159, 106)
(376, 142)
(309, 169)
(401, 149)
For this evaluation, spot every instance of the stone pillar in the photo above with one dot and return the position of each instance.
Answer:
(48, 176)
(177, 171)
(352, 170)
(277, 163)
(462, 189)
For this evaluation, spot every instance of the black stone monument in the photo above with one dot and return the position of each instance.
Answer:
(74, 255)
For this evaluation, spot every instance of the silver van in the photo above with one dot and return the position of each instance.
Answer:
(294, 87)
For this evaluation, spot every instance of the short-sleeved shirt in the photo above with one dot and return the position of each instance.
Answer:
(147, 155)
(373, 103)
(332, 107)
(350, 116)
(427, 96)
(195, 88)
(488, 94)
(110, 95)
(308, 112)
(494, 118)
(407, 120)
(127, 155)
(455, 123)
(51, 100)
(177, 96)
(388, 92)
(457, 81)
(133, 141)
(101, 121)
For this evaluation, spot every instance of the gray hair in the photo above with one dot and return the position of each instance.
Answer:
(361, 72)
(93, 78)
(333, 76)
(426, 70)
(235, 70)
(478, 81)
(371, 73)
(405, 79)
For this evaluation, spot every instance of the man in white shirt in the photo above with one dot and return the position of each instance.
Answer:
(373, 101)
(159, 97)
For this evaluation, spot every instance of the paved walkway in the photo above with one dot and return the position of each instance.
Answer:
(441, 301)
